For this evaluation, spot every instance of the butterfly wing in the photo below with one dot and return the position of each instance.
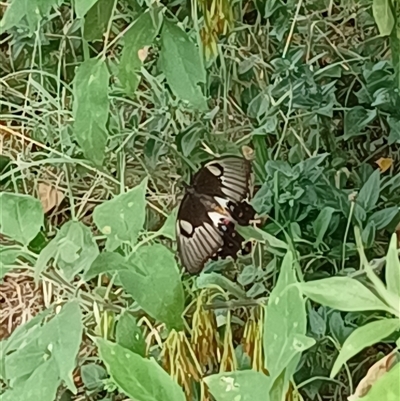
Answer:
(198, 238)
(227, 178)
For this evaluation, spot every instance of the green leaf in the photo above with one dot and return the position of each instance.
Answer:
(393, 267)
(138, 378)
(83, 6)
(363, 337)
(121, 219)
(342, 293)
(129, 335)
(52, 341)
(180, 61)
(8, 258)
(369, 193)
(93, 376)
(383, 16)
(141, 34)
(250, 232)
(322, 222)
(382, 218)
(33, 10)
(394, 124)
(285, 324)
(90, 108)
(355, 120)
(41, 385)
(210, 280)
(246, 385)
(154, 282)
(97, 19)
(74, 250)
(168, 230)
(106, 262)
(21, 217)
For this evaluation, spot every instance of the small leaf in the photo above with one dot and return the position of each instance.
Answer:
(246, 385)
(97, 19)
(394, 124)
(91, 107)
(21, 217)
(138, 378)
(363, 337)
(138, 37)
(106, 262)
(121, 219)
(383, 16)
(322, 222)
(180, 61)
(129, 335)
(369, 193)
(8, 257)
(355, 120)
(83, 6)
(154, 282)
(93, 376)
(382, 218)
(168, 230)
(342, 293)
(393, 267)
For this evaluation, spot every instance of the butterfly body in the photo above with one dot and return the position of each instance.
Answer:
(212, 206)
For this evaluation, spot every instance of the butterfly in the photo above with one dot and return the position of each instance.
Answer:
(213, 204)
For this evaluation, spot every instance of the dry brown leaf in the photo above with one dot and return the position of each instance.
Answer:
(384, 163)
(49, 196)
(375, 372)
(143, 53)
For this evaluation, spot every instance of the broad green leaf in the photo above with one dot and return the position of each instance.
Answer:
(386, 388)
(322, 222)
(363, 337)
(121, 219)
(41, 385)
(83, 6)
(137, 377)
(369, 193)
(93, 376)
(90, 108)
(382, 218)
(140, 35)
(342, 293)
(285, 324)
(180, 61)
(97, 19)
(246, 385)
(21, 217)
(33, 10)
(393, 267)
(355, 120)
(383, 16)
(61, 337)
(106, 262)
(154, 283)
(129, 334)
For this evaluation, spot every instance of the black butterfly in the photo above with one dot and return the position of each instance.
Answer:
(211, 207)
